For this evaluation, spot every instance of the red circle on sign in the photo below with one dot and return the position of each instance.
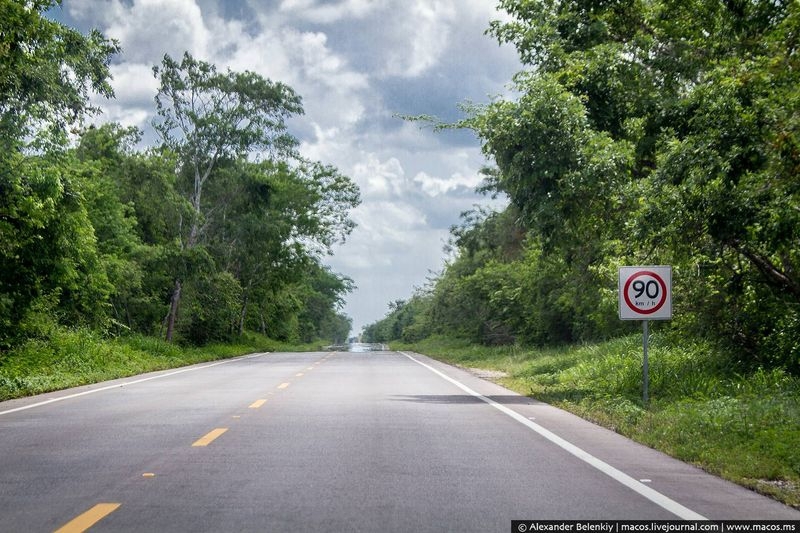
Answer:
(656, 307)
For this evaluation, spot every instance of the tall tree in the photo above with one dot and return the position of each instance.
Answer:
(642, 131)
(274, 220)
(134, 210)
(205, 117)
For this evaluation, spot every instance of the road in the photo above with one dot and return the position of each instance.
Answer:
(381, 441)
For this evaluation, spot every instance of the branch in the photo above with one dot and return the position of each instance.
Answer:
(772, 273)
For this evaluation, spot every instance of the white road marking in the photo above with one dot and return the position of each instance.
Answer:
(654, 496)
(101, 389)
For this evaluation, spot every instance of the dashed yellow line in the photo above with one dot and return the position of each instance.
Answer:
(258, 403)
(89, 518)
(283, 385)
(299, 375)
(209, 437)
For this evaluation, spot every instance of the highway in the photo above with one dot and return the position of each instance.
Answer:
(381, 441)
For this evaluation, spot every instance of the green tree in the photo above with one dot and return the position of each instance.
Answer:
(49, 260)
(48, 71)
(205, 117)
(48, 255)
(323, 298)
(135, 211)
(273, 223)
(407, 320)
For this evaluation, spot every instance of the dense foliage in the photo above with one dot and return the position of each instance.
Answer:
(641, 132)
(219, 229)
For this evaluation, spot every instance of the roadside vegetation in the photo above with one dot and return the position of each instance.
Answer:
(216, 230)
(653, 132)
(70, 358)
(743, 427)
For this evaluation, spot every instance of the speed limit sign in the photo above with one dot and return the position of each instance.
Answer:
(645, 293)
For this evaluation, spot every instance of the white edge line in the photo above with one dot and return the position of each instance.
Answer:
(117, 385)
(654, 496)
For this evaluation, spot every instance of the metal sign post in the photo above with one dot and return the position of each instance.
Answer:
(646, 363)
(645, 293)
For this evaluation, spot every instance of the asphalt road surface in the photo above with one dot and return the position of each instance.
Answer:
(374, 442)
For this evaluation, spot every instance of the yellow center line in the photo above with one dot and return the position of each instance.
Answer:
(258, 403)
(89, 518)
(299, 375)
(210, 437)
(283, 385)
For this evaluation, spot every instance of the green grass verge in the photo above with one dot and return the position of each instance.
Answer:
(70, 358)
(743, 427)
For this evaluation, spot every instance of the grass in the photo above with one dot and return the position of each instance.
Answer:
(70, 358)
(744, 427)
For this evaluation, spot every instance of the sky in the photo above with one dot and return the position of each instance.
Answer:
(359, 65)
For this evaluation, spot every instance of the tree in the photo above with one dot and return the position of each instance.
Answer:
(275, 220)
(135, 210)
(323, 299)
(206, 117)
(48, 70)
(224, 212)
(48, 253)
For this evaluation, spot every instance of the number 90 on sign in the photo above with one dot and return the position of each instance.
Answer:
(652, 289)
(645, 293)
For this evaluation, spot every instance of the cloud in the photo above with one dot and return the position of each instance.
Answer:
(134, 88)
(327, 12)
(428, 25)
(178, 25)
(434, 186)
(395, 253)
(380, 180)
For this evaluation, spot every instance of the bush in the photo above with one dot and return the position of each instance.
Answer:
(210, 309)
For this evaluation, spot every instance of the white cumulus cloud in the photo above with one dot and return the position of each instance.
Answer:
(328, 12)
(427, 26)
(434, 186)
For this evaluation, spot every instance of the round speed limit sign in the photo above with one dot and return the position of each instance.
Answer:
(645, 293)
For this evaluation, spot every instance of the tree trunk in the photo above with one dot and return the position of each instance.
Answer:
(173, 310)
(242, 316)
